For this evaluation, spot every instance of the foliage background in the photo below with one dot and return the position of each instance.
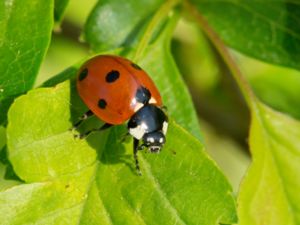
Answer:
(264, 31)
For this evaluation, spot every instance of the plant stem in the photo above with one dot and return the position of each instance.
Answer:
(221, 48)
(159, 15)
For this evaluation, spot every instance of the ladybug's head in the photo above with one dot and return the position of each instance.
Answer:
(150, 125)
(154, 141)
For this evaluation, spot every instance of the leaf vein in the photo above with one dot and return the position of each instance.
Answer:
(161, 192)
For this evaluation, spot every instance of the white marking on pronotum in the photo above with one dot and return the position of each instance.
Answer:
(165, 127)
(152, 100)
(139, 131)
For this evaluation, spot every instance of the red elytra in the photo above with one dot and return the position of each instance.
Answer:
(108, 86)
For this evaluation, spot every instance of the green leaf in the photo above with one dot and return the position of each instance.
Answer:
(160, 65)
(115, 23)
(270, 191)
(93, 181)
(267, 30)
(26, 27)
(59, 9)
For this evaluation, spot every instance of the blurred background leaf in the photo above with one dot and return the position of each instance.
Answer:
(59, 9)
(159, 63)
(274, 143)
(211, 85)
(266, 30)
(23, 45)
(126, 18)
(276, 86)
(230, 156)
(217, 99)
(62, 53)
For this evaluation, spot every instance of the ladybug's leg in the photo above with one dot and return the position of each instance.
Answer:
(85, 116)
(124, 137)
(135, 150)
(103, 127)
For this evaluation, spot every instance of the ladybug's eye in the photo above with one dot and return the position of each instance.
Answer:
(132, 124)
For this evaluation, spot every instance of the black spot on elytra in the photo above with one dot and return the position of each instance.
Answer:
(83, 74)
(102, 103)
(136, 66)
(112, 76)
(143, 95)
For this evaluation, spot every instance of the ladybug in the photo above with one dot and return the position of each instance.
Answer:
(117, 90)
